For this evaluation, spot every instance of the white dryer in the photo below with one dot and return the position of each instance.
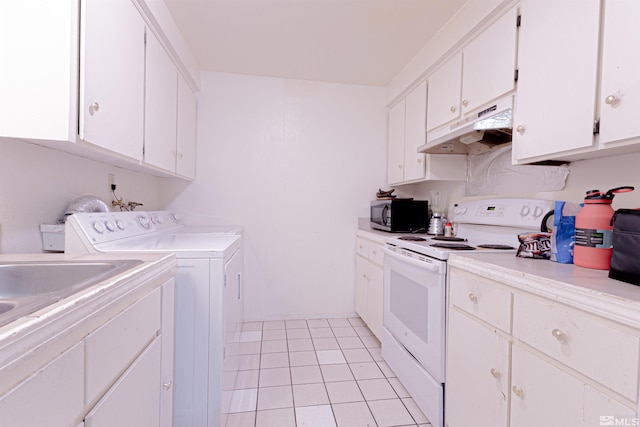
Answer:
(208, 298)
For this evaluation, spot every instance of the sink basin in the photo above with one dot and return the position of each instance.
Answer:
(29, 286)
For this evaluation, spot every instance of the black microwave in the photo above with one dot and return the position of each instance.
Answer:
(400, 215)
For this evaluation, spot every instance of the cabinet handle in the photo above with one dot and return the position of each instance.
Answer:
(179, 155)
(419, 160)
(452, 109)
(465, 102)
(559, 335)
(517, 390)
(610, 100)
(473, 298)
(167, 386)
(495, 373)
(373, 252)
(520, 129)
(94, 107)
(399, 166)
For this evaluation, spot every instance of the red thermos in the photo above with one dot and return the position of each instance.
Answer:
(594, 231)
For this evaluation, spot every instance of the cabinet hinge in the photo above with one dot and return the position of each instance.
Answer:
(596, 126)
(518, 20)
(515, 74)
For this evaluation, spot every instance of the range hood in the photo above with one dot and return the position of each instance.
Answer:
(491, 125)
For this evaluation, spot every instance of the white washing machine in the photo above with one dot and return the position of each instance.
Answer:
(208, 299)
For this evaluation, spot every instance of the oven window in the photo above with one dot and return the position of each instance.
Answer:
(409, 304)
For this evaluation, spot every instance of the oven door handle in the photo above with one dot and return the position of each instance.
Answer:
(435, 266)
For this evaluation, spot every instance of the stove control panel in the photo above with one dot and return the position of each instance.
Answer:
(503, 212)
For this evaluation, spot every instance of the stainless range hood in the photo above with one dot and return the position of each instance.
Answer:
(491, 125)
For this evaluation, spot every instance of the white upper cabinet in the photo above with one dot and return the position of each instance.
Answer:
(112, 76)
(186, 132)
(558, 69)
(415, 117)
(620, 87)
(395, 144)
(443, 104)
(160, 111)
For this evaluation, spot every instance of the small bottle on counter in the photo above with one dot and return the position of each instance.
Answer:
(448, 230)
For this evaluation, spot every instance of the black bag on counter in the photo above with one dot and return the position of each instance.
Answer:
(625, 260)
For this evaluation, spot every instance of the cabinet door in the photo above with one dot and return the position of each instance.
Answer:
(134, 400)
(362, 287)
(544, 395)
(443, 103)
(477, 386)
(415, 132)
(557, 62)
(233, 298)
(186, 132)
(489, 63)
(395, 144)
(620, 94)
(375, 304)
(160, 111)
(112, 76)
(166, 371)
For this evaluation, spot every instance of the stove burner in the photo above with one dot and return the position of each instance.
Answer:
(413, 238)
(454, 246)
(449, 238)
(492, 246)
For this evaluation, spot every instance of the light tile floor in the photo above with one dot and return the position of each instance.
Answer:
(313, 373)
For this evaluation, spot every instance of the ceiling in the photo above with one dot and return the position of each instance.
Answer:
(363, 42)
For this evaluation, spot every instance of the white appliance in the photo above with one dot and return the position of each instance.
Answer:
(415, 290)
(208, 299)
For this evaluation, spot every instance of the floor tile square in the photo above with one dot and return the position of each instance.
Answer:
(274, 334)
(356, 321)
(355, 355)
(251, 326)
(317, 323)
(244, 400)
(274, 377)
(321, 332)
(247, 336)
(325, 344)
(310, 395)
(315, 416)
(332, 373)
(350, 342)
(273, 324)
(274, 360)
(339, 323)
(376, 353)
(415, 411)
(355, 414)
(294, 334)
(390, 413)
(370, 341)
(284, 417)
(344, 391)
(275, 346)
(377, 389)
(241, 419)
(306, 374)
(304, 344)
(242, 363)
(295, 324)
(240, 348)
(366, 370)
(302, 358)
(363, 331)
(275, 397)
(386, 370)
(330, 357)
(399, 388)
(344, 332)
(247, 379)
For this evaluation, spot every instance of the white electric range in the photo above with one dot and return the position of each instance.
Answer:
(415, 289)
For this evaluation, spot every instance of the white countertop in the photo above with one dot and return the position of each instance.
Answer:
(588, 289)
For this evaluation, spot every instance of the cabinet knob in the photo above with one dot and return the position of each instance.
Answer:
(452, 109)
(473, 298)
(517, 390)
(167, 386)
(179, 155)
(559, 335)
(610, 100)
(520, 129)
(373, 252)
(465, 102)
(495, 373)
(94, 107)
(399, 166)
(419, 160)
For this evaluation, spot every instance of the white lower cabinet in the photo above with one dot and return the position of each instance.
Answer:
(545, 364)
(368, 285)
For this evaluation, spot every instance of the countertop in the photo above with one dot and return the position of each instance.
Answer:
(584, 288)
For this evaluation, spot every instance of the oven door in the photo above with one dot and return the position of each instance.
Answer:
(414, 306)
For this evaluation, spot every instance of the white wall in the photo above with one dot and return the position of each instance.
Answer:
(37, 184)
(295, 163)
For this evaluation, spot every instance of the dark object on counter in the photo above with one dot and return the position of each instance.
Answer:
(625, 262)
(454, 246)
(534, 245)
(385, 195)
(413, 238)
(399, 215)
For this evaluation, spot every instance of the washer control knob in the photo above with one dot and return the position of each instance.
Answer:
(144, 221)
(111, 226)
(159, 220)
(525, 211)
(121, 224)
(98, 226)
(175, 217)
